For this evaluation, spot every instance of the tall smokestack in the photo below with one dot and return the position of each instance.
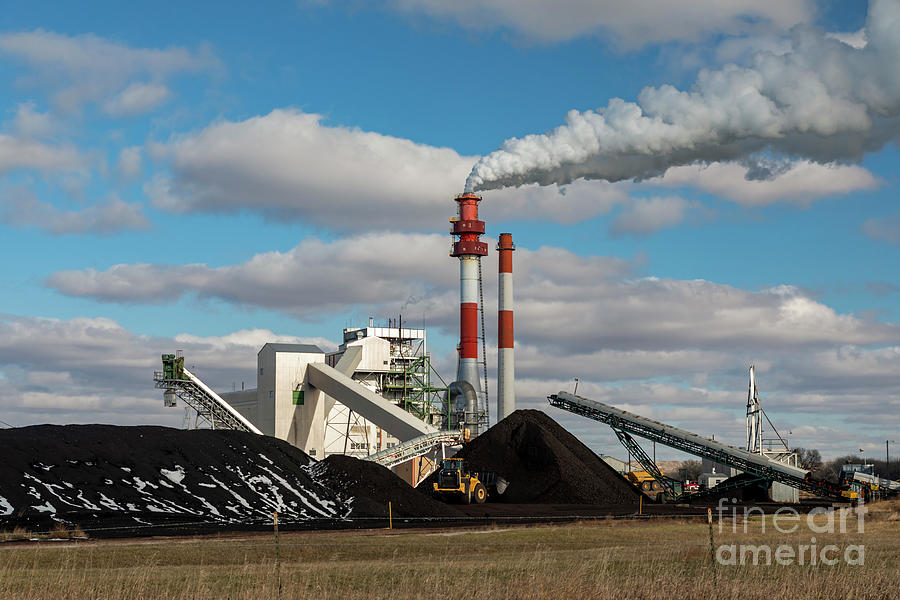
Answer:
(506, 371)
(468, 248)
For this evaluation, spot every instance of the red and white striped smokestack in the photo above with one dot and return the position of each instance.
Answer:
(506, 375)
(468, 248)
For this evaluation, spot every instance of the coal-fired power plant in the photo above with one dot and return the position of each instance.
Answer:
(506, 392)
(469, 249)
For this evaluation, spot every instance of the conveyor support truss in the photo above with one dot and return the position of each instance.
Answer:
(753, 464)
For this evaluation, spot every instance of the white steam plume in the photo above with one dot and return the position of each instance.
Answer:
(825, 100)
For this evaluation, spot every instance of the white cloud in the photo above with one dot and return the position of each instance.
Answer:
(648, 215)
(313, 277)
(129, 163)
(30, 123)
(21, 208)
(799, 182)
(249, 338)
(20, 153)
(88, 370)
(885, 229)
(287, 164)
(631, 25)
(854, 39)
(565, 302)
(136, 99)
(88, 68)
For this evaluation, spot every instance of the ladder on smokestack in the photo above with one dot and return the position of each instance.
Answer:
(485, 408)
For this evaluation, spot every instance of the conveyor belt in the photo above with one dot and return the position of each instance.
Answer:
(413, 448)
(203, 399)
(754, 464)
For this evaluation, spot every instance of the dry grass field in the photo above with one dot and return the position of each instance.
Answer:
(592, 559)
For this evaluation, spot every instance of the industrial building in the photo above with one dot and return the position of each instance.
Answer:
(377, 396)
(393, 363)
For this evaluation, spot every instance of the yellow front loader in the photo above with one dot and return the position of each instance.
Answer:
(455, 481)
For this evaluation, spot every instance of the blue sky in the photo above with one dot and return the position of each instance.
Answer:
(193, 177)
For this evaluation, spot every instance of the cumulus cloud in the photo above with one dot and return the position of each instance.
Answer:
(21, 208)
(824, 100)
(630, 25)
(648, 215)
(136, 99)
(798, 182)
(884, 229)
(312, 278)
(129, 164)
(567, 301)
(88, 68)
(22, 153)
(30, 123)
(288, 164)
(88, 370)
(854, 39)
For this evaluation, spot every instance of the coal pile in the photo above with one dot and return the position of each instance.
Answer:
(148, 475)
(544, 463)
(368, 487)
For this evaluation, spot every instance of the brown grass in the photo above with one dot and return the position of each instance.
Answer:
(59, 531)
(595, 559)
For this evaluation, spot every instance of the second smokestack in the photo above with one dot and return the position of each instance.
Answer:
(506, 377)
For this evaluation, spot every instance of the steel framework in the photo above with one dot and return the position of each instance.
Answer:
(754, 464)
(647, 463)
(414, 448)
(177, 380)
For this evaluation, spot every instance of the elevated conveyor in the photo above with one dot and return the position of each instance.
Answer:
(887, 485)
(383, 413)
(177, 380)
(414, 448)
(753, 464)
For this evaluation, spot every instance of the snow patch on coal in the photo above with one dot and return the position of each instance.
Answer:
(153, 474)
(368, 487)
(544, 464)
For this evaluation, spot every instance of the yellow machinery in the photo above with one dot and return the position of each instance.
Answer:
(456, 481)
(645, 482)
